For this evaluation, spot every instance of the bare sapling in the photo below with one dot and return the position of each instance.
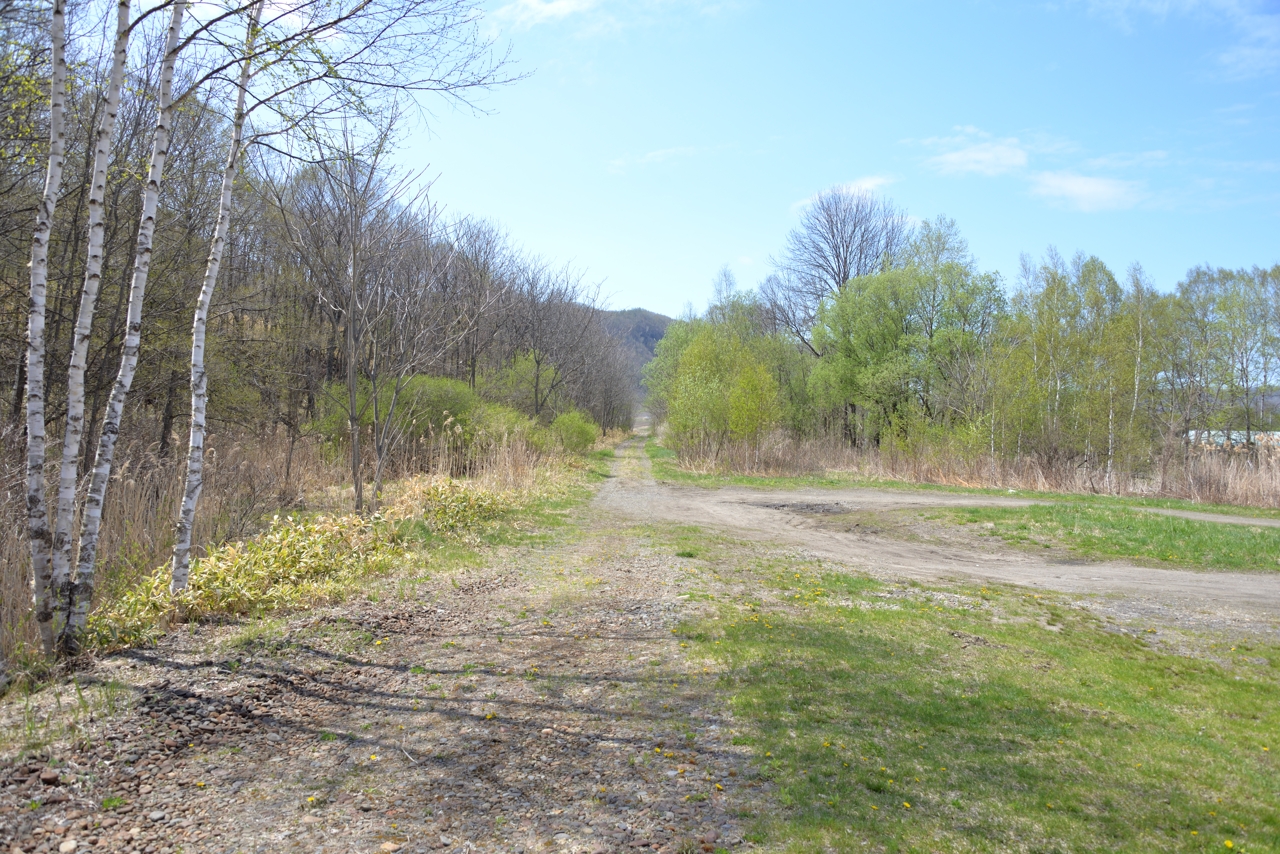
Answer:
(199, 376)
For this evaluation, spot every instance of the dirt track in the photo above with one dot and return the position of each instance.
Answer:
(1232, 600)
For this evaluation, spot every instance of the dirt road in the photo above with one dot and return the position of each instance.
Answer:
(538, 700)
(795, 517)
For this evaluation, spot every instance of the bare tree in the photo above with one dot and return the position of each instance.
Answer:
(37, 508)
(91, 520)
(843, 233)
(194, 480)
(74, 424)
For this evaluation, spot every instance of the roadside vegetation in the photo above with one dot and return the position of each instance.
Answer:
(1100, 527)
(914, 718)
(882, 350)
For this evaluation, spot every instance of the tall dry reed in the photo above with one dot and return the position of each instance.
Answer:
(1202, 474)
(248, 478)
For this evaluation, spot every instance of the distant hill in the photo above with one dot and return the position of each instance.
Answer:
(639, 331)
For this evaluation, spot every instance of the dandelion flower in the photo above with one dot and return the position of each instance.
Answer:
(1228, 843)
(906, 805)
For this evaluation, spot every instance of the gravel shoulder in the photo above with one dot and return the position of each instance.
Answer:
(1248, 602)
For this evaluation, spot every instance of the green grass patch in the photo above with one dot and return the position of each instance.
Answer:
(903, 719)
(1098, 531)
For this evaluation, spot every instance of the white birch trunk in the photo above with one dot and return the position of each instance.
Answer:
(69, 473)
(91, 517)
(199, 377)
(37, 510)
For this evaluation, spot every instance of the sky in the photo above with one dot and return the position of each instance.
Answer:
(653, 142)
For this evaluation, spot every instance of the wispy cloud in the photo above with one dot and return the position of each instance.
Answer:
(1124, 160)
(523, 14)
(870, 183)
(663, 154)
(865, 184)
(983, 158)
(1085, 192)
(659, 155)
(1256, 53)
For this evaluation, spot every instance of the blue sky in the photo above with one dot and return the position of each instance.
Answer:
(658, 140)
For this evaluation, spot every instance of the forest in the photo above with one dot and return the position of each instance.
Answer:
(234, 298)
(882, 346)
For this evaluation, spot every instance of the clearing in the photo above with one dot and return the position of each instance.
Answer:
(683, 669)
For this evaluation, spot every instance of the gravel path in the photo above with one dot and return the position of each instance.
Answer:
(541, 703)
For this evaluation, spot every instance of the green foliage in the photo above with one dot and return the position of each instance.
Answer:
(720, 392)
(574, 431)
(530, 383)
(458, 507)
(295, 563)
(425, 406)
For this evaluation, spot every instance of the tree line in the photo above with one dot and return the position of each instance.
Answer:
(889, 336)
(201, 230)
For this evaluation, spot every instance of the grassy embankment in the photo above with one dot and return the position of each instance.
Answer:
(909, 718)
(427, 525)
(1091, 526)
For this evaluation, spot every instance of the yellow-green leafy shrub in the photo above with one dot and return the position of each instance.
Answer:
(295, 562)
(457, 507)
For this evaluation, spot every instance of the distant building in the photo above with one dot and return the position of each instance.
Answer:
(1235, 438)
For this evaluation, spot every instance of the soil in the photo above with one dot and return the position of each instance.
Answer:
(541, 701)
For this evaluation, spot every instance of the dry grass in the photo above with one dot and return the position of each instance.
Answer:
(248, 480)
(1205, 475)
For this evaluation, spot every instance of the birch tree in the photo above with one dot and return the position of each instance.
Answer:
(37, 509)
(91, 517)
(74, 428)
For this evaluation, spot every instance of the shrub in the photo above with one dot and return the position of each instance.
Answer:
(574, 431)
(295, 562)
(457, 507)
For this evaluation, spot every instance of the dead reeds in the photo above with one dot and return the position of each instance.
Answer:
(1247, 477)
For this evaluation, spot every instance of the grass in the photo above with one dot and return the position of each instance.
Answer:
(904, 719)
(1100, 531)
(666, 468)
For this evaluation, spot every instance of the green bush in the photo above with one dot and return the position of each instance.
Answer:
(574, 431)
(426, 406)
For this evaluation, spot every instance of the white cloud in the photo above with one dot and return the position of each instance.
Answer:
(1129, 160)
(1084, 192)
(1257, 52)
(529, 13)
(870, 183)
(660, 155)
(997, 157)
(865, 184)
